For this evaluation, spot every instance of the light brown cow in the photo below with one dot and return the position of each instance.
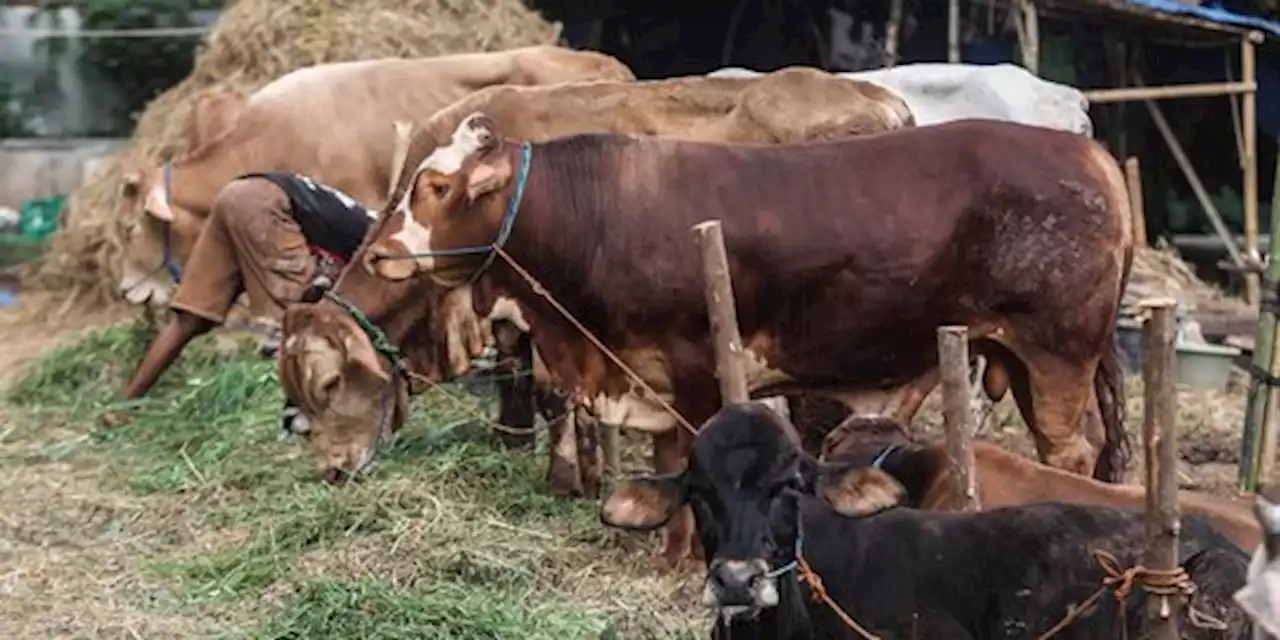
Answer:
(1006, 479)
(789, 105)
(331, 122)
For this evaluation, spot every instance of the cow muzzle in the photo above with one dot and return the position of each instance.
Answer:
(739, 588)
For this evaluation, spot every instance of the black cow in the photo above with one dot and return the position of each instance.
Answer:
(760, 503)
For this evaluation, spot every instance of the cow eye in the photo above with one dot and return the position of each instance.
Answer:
(439, 190)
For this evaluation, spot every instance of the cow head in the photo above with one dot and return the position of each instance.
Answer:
(456, 199)
(1260, 596)
(346, 398)
(862, 438)
(148, 223)
(746, 480)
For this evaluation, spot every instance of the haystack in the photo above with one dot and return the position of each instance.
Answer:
(254, 42)
(1160, 271)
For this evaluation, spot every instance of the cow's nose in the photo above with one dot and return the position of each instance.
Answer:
(736, 581)
(335, 476)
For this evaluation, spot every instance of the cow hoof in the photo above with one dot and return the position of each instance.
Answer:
(516, 439)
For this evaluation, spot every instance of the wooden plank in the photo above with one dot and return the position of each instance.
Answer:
(1160, 447)
(1133, 177)
(957, 411)
(722, 312)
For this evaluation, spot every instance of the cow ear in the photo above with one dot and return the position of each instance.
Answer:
(644, 503)
(856, 492)
(487, 176)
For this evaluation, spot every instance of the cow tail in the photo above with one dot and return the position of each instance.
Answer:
(1108, 386)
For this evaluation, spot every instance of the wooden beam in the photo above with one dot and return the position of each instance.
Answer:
(1188, 171)
(1133, 177)
(1159, 442)
(1248, 73)
(1170, 92)
(722, 312)
(957, 411)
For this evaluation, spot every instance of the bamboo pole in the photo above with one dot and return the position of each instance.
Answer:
(1258, 441)
(1133, 177)
(1248, 73)
(1188, 171)
(1031, 35)
(1159, 442)
(891, 31)
(1170, 92)
(953, 31)
(957, 412)
(722, 312)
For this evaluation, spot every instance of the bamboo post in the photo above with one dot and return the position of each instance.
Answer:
(1249, 117)
(1133, 177)
(721, 310)
(1160, 447)
(1258, 442)
(1197, 187)
(957, 411)
(891, 29)
(1029, 35)
(953, 31)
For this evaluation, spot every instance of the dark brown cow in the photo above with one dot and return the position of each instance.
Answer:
(1006, 479)
(845, 257)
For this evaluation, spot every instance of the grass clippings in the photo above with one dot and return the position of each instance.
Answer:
(197, 520)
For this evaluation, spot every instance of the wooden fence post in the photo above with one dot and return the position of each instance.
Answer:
(957, 411)
(722, 311)
(1160, 449)
(1137, 208)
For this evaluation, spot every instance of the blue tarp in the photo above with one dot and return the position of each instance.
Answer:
(1212, 12)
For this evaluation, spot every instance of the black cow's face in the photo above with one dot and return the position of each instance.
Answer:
(744, 482)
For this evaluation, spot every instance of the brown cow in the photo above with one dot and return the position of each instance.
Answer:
(845, 257)
(790, 105)
(1006, 479)
(331, 122)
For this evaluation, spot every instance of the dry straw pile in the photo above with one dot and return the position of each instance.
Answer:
(254, 42)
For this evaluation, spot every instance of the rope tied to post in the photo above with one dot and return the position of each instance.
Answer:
(1162, 583)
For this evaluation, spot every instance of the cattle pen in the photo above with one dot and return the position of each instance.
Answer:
(204, 516)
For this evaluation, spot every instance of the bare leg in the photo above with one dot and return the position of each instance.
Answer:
(164, 349)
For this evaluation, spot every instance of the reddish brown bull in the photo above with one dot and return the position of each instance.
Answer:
(845, 257)
(1006, 479)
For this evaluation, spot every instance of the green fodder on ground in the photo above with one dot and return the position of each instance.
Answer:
(197, 520)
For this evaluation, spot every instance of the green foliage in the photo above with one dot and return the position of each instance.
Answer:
(15, 112)
(140, 67)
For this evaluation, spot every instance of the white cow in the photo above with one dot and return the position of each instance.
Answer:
(940, 92)
(1260, 597)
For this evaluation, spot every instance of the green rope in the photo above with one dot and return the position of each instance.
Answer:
(381, 343)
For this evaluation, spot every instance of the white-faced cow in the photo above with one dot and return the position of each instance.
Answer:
(334, 374)
(845, 257)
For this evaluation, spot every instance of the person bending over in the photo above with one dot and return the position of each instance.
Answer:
(268, 235)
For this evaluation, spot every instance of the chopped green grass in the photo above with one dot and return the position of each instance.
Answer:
(452, 536)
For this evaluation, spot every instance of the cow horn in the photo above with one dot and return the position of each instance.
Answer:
(317, 288)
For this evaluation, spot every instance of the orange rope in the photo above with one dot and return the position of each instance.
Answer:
(546, 295)
(1158, 582)
(819, 594)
